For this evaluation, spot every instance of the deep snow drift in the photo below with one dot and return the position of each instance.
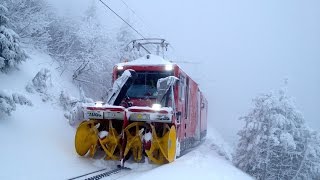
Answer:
(38, 142)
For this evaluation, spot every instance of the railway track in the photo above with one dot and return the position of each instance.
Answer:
(99, 174)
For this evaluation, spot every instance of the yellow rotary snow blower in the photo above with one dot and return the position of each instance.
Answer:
(88, 139)
(126, 132)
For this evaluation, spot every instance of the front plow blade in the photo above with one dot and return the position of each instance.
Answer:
(86, 138)
(163, 149)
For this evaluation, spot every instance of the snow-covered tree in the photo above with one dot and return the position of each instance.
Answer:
(93, 71)
(41, 83)
(73, 106)
(67, 101)
(93, 43)
(64, 45)
(123, 37)
(275, 143)
(8, 102)
(30, 20)
(11, 53)
(84, 48)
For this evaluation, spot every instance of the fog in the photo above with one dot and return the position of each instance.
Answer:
(239, 49)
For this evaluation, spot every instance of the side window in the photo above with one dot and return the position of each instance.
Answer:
(181, 87)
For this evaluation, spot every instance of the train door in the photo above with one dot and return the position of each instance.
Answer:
(203, 116)
(186, 107)
(198, 119)
(182, 102)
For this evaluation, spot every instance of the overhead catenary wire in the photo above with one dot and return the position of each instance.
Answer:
(121, 18)
(146, 25)
(139, 17)
(133, 11)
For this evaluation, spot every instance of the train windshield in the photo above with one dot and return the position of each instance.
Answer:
(145, 86)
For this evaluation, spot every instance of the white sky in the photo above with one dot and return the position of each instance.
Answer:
(244, 48)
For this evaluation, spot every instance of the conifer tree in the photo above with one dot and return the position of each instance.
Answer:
(275, 142)
(11, 53)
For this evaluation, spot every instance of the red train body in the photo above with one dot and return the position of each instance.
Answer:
(191, 106)
(154, 109)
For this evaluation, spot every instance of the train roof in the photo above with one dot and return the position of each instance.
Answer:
(147, 60)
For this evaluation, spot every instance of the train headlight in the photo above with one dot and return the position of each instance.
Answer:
(156, 107)
(168, 67)
(120, 67)
(98, 104)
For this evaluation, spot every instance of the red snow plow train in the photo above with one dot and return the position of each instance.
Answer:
(155, 110)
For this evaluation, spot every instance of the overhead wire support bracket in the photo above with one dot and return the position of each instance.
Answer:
(141, 43)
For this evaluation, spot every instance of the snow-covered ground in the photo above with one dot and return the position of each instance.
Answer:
(38, 143)
(200, 163)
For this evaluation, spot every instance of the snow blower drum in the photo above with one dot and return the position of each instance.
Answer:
(90, 137)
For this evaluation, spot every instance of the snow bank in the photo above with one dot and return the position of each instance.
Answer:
(43, 132)
(200, 163)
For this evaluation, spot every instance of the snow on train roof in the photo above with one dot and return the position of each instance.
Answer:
(145, 61)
